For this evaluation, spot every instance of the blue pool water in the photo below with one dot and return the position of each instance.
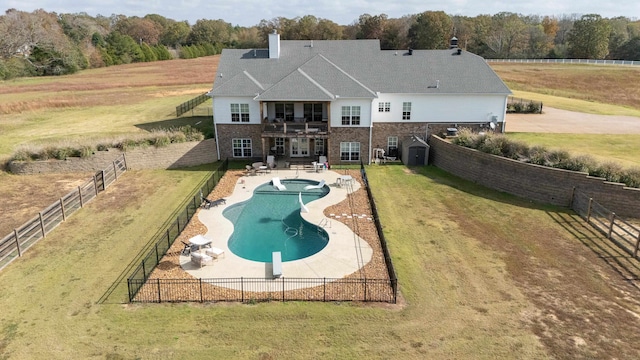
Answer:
(270, 221)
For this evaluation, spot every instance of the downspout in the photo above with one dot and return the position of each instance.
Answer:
(504, 114)
(215, 130)
(371, 131)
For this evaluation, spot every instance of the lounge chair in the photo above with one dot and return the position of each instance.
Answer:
(250, 170)
(318, 186)
(186, 250)
(201, 259)
(277, 184)
(214, 252)
(206, 203)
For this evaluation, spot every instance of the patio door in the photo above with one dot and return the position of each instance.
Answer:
(299, 147)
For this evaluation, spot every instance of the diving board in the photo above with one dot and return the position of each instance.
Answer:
(276, 261)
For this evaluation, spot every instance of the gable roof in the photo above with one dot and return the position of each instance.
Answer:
(326, 69)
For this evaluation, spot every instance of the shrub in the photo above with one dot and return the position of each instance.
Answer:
(539, 155)
(556, 158)
(608, 170)
(631, 177)
(85, 151)
(583, 163)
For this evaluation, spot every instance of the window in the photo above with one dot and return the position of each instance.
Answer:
(241, 147)
(406, 111)
(239, 112)
(284, 111)
(349, 151)
(313, 111)
(392, 146)
(384, 106)
(319, 147)
(351, 115)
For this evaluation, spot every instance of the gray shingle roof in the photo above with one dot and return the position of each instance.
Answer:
(320, 70)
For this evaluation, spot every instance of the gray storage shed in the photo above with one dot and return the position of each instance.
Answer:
(415, 151)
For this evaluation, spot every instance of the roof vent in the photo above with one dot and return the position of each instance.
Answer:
(410, 51)
(459, 51)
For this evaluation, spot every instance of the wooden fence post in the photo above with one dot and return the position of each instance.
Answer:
(44, 234)
(115, 170)
(64, 216)
(124, 160)
(17, 235)
(573, 194)
(635, 252)
(613, 219)
(80, 193)
(95, 185)
(589, 209)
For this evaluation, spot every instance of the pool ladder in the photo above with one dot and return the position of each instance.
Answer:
(323, 224)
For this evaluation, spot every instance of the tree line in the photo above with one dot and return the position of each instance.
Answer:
(46, 43)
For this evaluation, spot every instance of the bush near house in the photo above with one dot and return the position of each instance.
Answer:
(157, 138)
(500, 145)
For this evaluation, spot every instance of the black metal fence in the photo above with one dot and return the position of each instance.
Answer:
(383, 241)
(165, 239)
(191, 104)
(143, 289)
(17, 242)
(261, 289)
(622, 233)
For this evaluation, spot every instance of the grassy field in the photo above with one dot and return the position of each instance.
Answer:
(101, 103)
(601, 89)
(482, 275)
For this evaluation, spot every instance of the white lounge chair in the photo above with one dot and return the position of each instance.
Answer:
(277, 184)
(201, 259)
(318, 186)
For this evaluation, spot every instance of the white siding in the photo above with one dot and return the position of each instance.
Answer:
(365, 111)
(441, 108)
(222, 109)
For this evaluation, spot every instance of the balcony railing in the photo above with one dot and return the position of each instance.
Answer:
(296, 128)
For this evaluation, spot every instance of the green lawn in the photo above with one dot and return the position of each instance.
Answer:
(464, 291)
(622, 149)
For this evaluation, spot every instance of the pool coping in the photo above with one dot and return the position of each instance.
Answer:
(344, 254)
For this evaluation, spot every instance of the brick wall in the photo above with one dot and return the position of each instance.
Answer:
(169, 157)
(348, 134)
(227, 132)
(538, 183)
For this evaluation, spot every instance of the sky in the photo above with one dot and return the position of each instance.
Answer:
(343, 12)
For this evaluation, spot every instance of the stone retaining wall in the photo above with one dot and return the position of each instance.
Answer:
(538, 183)
(168, 157)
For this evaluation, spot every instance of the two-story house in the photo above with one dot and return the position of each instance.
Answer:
(300, 99)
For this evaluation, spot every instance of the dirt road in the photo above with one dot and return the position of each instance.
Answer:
(563, 121)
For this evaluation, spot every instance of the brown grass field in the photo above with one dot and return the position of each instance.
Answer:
(483, 275)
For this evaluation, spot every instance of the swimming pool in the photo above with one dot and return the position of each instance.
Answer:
(270, 221)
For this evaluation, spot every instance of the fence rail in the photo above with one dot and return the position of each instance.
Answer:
(191, 104)
(568, 61)
(23, 237)
(622, 233)
(261, 289)
(143, 289)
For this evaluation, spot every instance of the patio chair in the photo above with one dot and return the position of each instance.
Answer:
(186, 250)
(201, 259)
(250, 170)
(277, 184)
(271, 161)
